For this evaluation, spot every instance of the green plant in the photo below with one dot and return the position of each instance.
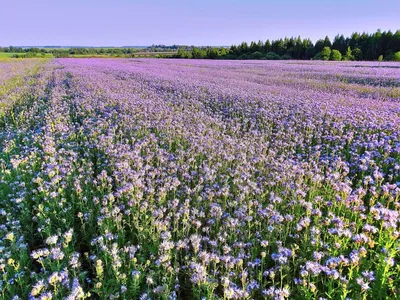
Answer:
(335, 55)
(326, 53)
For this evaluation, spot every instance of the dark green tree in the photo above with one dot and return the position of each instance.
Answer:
(267, 46)
(348, 55)
(357, 54)
(327, 42)
(340, 44)
(319, 45)
(310, 53)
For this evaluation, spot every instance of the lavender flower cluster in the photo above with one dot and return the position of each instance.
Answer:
(176, 179)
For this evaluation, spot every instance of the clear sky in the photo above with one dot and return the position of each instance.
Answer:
(201, 22)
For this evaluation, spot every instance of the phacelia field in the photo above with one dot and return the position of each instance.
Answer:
(196, 179)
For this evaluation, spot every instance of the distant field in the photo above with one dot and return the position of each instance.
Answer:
(136, 54)
(106, 55)
(5, 55)
(10, 54)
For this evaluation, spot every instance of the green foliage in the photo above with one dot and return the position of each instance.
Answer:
(317, 56)
(326, 53)
(188, 55)
(340, 44)
(181, 53)
(327, 42)
(380, 58)
(256, 55)
(223, 52)
(60, 54)
(272, 56)
(319, 45)
(364, 47)
(335, 55)
(357, 54)
(244, 56)
(396, 56)
(212, 52)
(25, 55)
(348, 55)
(388, 56)
(310, 52)
(199, 53)
(267, 46)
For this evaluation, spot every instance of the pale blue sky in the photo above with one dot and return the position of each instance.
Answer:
(204, 22)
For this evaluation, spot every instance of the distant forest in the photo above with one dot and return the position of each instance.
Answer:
(156, 51)
(19, 52)
(359, 46)
(381, 46)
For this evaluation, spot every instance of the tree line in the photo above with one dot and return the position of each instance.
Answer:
(359, 46)
(26, 52)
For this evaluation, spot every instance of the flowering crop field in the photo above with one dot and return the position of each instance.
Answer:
(196, 179)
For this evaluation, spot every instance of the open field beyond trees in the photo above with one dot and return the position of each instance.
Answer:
(191, 179)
